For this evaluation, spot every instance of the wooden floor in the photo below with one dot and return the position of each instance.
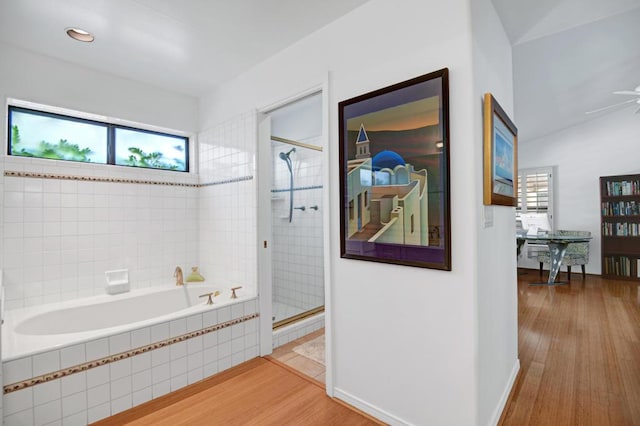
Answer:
(579, 349)
(306, 366)
(258, 392)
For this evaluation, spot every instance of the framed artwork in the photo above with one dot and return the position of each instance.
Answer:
(394, 174)
(500, 155)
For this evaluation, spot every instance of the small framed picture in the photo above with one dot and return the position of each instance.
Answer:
(500, 155)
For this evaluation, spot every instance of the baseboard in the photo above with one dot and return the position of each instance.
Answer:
(497, 413)
(368, 408)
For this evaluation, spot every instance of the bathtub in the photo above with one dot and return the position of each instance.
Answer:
(39, 329)
(115, 352)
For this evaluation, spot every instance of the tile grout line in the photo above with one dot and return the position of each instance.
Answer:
(24, 384)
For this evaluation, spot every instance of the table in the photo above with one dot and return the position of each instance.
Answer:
(557, 247)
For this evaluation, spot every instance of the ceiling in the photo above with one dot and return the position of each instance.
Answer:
(568, 58)
(568, 55)
(187, 46)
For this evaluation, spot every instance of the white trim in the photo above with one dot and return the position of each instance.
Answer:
(326, 243)
(495, 417)
(266, 109)
(264, 233)
(374, 411)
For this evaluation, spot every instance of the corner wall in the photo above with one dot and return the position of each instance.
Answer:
(604, 146)
(497, 319)
(404, 337)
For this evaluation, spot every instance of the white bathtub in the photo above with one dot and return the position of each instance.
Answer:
(42, 328)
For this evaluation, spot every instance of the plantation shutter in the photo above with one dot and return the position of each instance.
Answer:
(535, 192)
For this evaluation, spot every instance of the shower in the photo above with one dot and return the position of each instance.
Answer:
(287, 159)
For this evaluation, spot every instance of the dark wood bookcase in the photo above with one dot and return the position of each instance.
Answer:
(620, 226)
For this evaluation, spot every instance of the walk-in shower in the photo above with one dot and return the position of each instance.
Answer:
(296, 238)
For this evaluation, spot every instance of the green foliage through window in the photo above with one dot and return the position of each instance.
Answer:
(63, 150)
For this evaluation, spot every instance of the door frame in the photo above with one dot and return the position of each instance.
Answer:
(264, 232)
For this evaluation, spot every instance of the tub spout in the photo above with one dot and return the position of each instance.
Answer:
(178, 276)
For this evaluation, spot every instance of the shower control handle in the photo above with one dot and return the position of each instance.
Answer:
(233, 292)
(314, 208)
(300, 208)
(212, 294)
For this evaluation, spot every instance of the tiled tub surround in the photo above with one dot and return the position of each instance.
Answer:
(60, 235)
(85, 381)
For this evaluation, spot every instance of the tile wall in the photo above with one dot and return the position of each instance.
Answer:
(59, 236)
(228, 212)
(88, 396)
(298, 250)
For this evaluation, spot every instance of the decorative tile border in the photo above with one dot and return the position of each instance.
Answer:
(300, 188)
(94, 178)
(11, 173)
(123, 355)
(232, 180)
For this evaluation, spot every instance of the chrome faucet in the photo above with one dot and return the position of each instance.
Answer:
(178, 276)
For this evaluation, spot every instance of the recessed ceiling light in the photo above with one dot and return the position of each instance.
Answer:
(80, 35)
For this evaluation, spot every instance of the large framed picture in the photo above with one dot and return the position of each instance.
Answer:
(394, 174)
(500, 155)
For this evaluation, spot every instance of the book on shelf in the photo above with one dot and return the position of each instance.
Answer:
(625, 187)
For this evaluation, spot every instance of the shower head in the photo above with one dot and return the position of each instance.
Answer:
(284, 156)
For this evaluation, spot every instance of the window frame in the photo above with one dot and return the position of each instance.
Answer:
(111, 131)
(521, 206)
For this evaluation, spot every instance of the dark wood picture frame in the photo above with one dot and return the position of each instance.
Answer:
(394, 174)
(500, 181)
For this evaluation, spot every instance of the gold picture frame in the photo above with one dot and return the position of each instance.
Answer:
(500, 155)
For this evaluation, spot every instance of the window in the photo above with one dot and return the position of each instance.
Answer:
(535, 195)
(535, 191)
(42, 134)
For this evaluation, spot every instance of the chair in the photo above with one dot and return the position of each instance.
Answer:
(576, 254)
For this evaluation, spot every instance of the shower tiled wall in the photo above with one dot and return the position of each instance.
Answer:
(297, 248)
(59, 236)
(228, 215)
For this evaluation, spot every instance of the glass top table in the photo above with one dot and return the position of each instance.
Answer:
(557, 247)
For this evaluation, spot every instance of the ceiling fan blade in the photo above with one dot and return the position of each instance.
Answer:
(610, 106)
(627, 92)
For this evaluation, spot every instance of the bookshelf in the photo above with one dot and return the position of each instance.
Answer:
(620, 226)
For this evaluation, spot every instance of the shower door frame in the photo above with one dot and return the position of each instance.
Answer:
(264, 178)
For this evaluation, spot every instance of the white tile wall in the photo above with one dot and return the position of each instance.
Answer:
(100, 392)
(228, 213)
(59, 236)
(291, 332)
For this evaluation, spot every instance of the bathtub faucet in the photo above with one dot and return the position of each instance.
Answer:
(178, 276)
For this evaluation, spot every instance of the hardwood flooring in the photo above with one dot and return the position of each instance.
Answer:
(258, 392)
(579, 349)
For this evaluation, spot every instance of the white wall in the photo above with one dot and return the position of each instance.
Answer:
(497, 301)
(59, 236)
(37, 78)
(605, 146)
(405, 337)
